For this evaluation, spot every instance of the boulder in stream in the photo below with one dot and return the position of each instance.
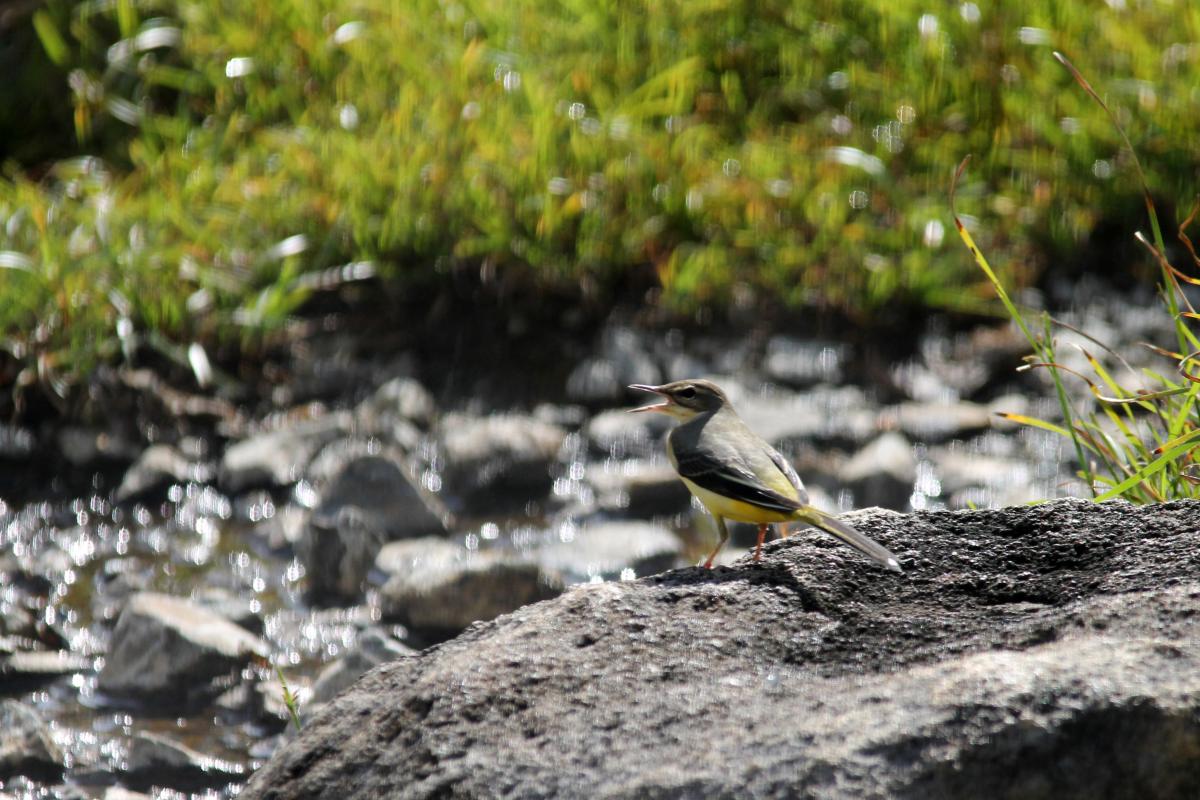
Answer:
(174, 654)
(370, 501)
(26, 746)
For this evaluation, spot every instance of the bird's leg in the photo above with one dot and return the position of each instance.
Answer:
(724, 535)
(783, 530)
(762, 534)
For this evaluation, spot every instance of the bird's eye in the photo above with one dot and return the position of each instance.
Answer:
(687, 394)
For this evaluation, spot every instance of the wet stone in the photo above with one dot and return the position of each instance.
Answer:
(155, 760)
(398, 399)
(243, 611)
(882, 473)
(23, 670)
(174, 653)
(439, 588)
(158, 466)
(501, 461)
(26, 745)
(277, 458)
(370, 502)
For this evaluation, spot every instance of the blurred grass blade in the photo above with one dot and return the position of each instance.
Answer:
(1034, 422)
(52, 41)
(982, 261)
(1181, 446)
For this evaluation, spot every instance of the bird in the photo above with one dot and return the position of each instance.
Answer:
(735, 474)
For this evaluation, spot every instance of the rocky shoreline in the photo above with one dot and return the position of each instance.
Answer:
(1038, 652)
(148, 624)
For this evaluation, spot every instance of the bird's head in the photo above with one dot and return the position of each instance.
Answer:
(684, 399)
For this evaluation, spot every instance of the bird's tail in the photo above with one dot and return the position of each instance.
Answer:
(863, 544)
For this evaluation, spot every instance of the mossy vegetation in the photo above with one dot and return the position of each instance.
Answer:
(232, 157)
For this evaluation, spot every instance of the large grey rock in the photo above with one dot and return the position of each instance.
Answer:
(1034, 652)
(607, 549)
(498, 461)
(439, 588)
(882, 473)
(173, 653)
(26, 746)
(371, 501)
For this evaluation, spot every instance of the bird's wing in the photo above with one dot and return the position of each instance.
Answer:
(729, 477)
(790, 474)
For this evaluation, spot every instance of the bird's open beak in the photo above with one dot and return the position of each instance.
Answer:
(642, 387)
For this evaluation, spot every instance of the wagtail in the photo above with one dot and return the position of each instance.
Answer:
(738, 476)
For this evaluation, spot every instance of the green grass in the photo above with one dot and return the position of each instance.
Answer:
(1136, 444)
(797, 150)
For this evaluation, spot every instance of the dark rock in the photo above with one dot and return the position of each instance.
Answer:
(82, 446)
(26, 670)
(437, 587)
(261, 703)
(26, 746)
(173, 653)
(370, 502)
(607, 549)
(638, 488)
(16, 443)
(243, 611)
(155, 760)
(624, 359)
(158, 466)
(278, 457)
(804, 362)
(499, 461)
(1035, 652)
(882, 473)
